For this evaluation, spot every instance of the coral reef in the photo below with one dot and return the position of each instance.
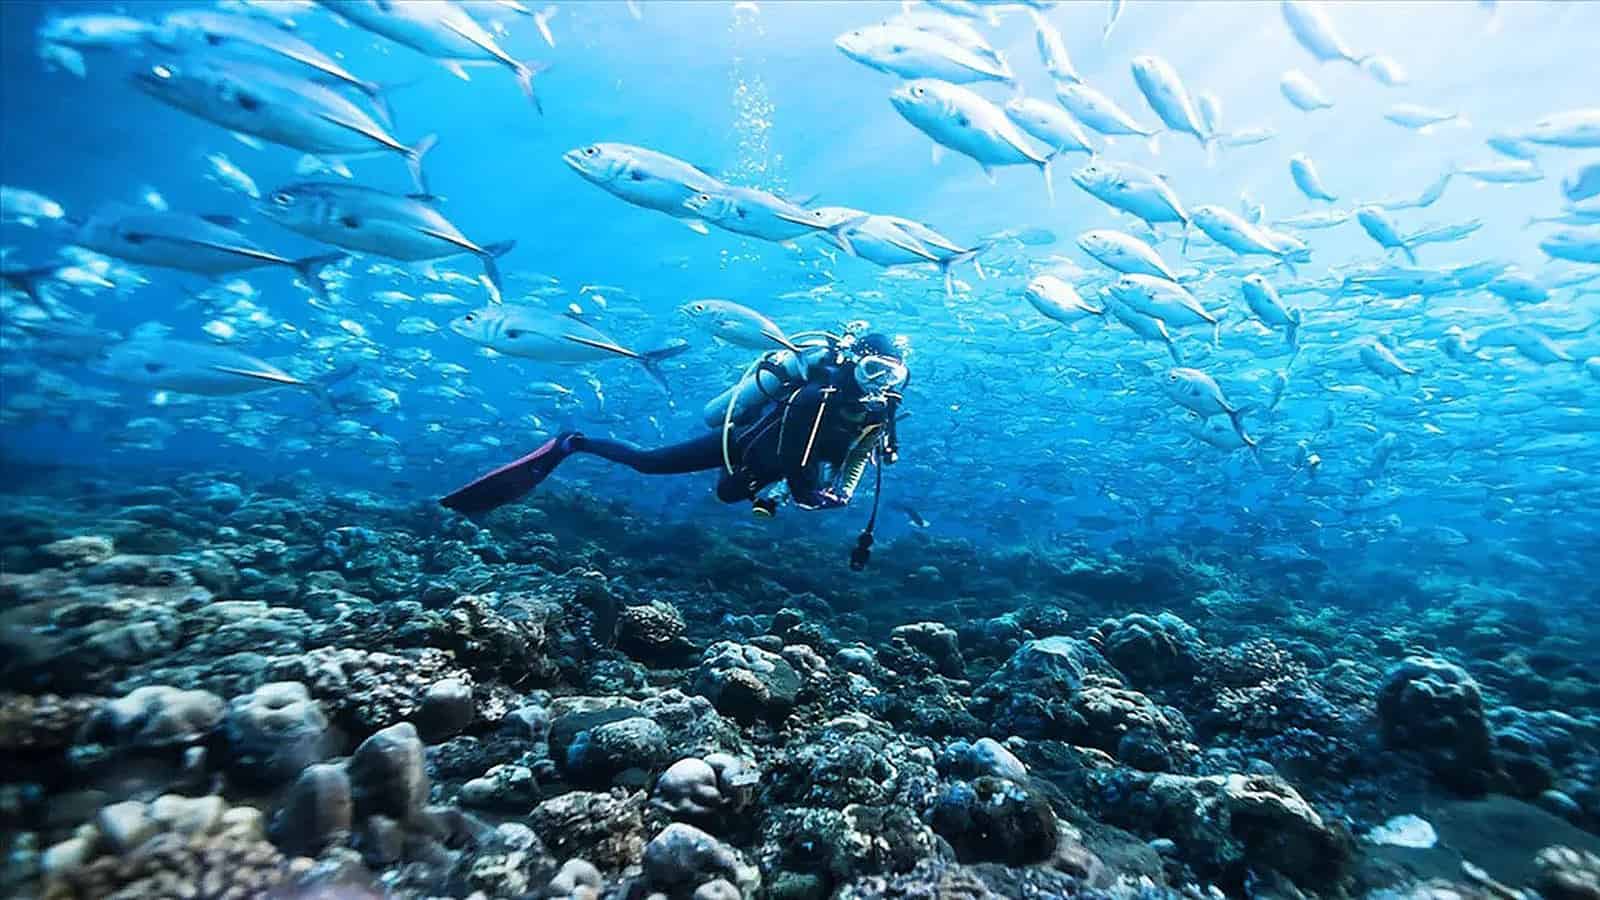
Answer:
(317, 690)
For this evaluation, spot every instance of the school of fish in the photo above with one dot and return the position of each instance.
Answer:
(1144, 356)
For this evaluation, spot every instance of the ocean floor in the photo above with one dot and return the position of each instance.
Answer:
(222, 687)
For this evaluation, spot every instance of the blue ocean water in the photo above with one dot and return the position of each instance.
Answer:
(1014, 427)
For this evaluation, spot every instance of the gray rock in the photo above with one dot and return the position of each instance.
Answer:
(502, 787)
(274, 732)
(720, 889)
(996, 820)
(986, 756)
(124, 826)
(155, 716)
(747, 682)
(446, 709)
(81, 550)
(688, 790)
(935, 640)
(682, 858)
(387, 775)
(1434, 708)
(190, 816)
(576, 879)
(601, 753)
(531, 722)
(318, 811)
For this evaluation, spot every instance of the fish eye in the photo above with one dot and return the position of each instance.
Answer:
(283, 198)
(469, 317)
(591, 151)
(153, 367)
(162, 71)
(918, 91)
(513, 333)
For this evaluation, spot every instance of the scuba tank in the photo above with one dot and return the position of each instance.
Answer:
(768, 378)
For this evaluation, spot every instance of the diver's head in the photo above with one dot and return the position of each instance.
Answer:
(880, 364)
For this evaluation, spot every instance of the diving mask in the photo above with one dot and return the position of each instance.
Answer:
(880, 374)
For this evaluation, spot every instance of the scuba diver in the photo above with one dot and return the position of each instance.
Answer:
(810, 418)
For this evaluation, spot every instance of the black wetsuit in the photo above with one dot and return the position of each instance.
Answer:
(825, 413)
(771, 448)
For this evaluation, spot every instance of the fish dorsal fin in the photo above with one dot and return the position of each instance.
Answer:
(223, 219)
(452, 239)
(601, 345)
(259, 374)
(476, 40)
(376, 137)
(911, 245)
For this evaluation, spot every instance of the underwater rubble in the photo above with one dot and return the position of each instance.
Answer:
(220, 687)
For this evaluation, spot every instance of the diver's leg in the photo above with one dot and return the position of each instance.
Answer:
(695, 455)
(517, 478)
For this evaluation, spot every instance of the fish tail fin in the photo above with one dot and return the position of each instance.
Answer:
(491, 266)
(323, 387)
(1236, 418)
(1291, 333)
(950, 262)
(27, 280)
(1172, 348)
(374, 92)
(652, 360)
(1049, 183)
(414, 155)
(525, 71)
(310, 270)
(1411, 255)
(542, 20)
(837, 235)
(1184, 250)
(378, 93)
(1288, 263)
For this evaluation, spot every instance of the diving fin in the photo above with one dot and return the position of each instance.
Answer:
(512, 480)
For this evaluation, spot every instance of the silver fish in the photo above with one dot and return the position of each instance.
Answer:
(644, 177)
(1301, 91)
(1306, 178)
(443, 31)
(268, 104)
(203, 245)
(191, 29)
(539, 334)
(367, 220)
(964, 121)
